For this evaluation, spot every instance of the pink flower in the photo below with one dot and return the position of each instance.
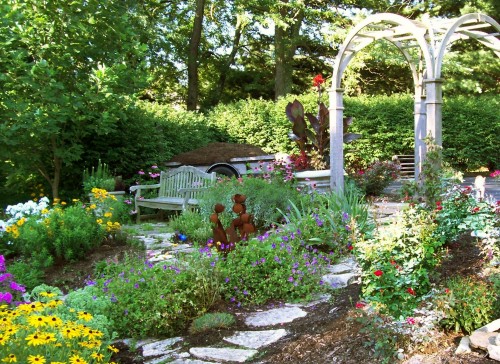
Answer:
(411, 321)
(6, 296)
(141, 172)
(378, 273)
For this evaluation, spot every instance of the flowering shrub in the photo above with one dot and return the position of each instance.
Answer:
(396, 262)
(375, 177)
(40, 332)
(10, 290)
(467, 304)
(277, 265)
(174, 293)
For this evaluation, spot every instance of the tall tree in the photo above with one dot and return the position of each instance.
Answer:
(194, 44)
(67, 69)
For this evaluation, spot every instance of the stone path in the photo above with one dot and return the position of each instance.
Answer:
(264, 327)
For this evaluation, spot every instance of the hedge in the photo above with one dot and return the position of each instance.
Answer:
(471, 126)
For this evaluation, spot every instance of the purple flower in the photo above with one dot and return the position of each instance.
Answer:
(136, 285)
(227, 279)
(245, 292)
(141, 172)
(5, 276)
(6, 296)
(262, 260)
(17, 287)
(290, 279)
(2, 263)
(233, 299)
(113, 298)
(345, 216)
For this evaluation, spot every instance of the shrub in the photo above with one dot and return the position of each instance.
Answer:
(174, 293)
(397, 260)
(376, 177)
(263, 198)
(210, 321)
(192, 224)
(277, 265)
(467, 304)
(50, 330)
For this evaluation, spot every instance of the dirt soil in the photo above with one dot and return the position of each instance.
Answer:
(330, 335)
(217, 152)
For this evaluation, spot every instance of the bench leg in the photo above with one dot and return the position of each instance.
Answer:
(138, 214)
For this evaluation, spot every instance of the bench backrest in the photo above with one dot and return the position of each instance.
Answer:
(184, 177)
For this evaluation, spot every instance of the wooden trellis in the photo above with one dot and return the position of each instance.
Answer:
(431, 38)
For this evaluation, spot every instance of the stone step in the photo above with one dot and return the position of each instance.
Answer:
(256, 339)
(223, 354)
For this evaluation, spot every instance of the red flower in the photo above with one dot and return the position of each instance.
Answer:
(378, 273)
(350, 247)
(360, 304)
(475, 209)
(318, 80)
(446, 290)
(411, 291)
(393, 262)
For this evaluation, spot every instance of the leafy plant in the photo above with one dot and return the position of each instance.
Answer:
(210, 321)
(99, 177)
(192, 224)
(375, 177)
(314, 141)
(396, 262)
(467, 304)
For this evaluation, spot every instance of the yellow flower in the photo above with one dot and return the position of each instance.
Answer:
(108, 214)
(8, 229)
(70, 332)
(35, 339)
(21, 221)
(48, 337)
(97, 356)
(54, 303)
(99, 221)
(45, 211)
(33, 194)
(37, 321)
(3, 339)
(11, 358)
(92, 334)
(113, 349)
(35, 359)
(75, 200)
(54, 321)
(76, 359)
(91, 344)
(47, 294)
(63, 203)
(84, 316)
(93, 206)
(30, 307)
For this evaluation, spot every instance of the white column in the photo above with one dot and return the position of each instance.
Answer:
(434, 104)
(336, 139)
(420, 129)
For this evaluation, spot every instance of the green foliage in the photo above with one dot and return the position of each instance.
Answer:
(210, 321)
(273, 267)
(192, 224)
(376, 177)
(30, 275)
(68, 70)
(99, 177)
(382, 339)
(174, 294)
(397, 261)
(264, 197)
(467, 304)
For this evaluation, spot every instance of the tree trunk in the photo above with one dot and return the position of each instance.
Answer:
(285, 45)
(194, 44)
(240, 25)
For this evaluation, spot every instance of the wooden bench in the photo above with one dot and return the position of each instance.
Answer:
(179, 189)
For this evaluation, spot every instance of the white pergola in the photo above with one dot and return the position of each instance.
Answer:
(423, 44)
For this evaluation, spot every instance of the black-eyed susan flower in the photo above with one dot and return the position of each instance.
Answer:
(35, 339)
(36, 359)
(83, 315)
(53, 321)
(37, 321)
(11, 358)
(113, 349)
(77, 359)
(98, 357)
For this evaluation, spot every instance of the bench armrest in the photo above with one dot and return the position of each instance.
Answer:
(138, 188)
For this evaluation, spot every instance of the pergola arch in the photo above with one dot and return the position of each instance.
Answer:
(431, 39)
